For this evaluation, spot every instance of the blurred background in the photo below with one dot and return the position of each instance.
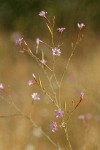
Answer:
(19, 18)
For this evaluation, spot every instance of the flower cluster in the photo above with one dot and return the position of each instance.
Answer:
(35, 96)
(54, 47)
(58, 114)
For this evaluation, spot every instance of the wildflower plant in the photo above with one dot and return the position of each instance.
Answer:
(60, 112)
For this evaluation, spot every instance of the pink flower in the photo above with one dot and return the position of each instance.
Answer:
(1, 86)
(81, 117)
(59, 113)
(19, 41)
(38, 41)
(81, 95)
(56, 51)
(43, 61)
(37, 44)
(42, 14)
(30, 82)
(80, 25)
(53, 126)
(35, 96)
(61, 29)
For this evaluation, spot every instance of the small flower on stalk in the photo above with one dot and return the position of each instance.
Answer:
(56, 51)
(42, 14)
(81, 95)
(1, 86)
(19, 41)
(30, 82)
(43, 61)
(38, 41)
(53, 126)
(80, 25)
(37, 44)
(59, 113)
(61, 29)
(34, 76)
(35, 96)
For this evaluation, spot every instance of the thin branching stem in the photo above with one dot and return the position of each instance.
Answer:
(53, 91)
(57, 83)
(27, 117)
(67, 137)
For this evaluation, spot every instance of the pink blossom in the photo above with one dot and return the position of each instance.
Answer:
(38, 41)
(80, 25)
(1, 86)
(30, 82)
(59, 113)
(56, 51)
(53, 126)
(19, 41)
(42, 14)
(37, 44)
(61, 29)
(82, 95)
(43, 61)
(35, 96)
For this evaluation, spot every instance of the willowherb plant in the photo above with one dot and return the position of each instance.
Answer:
(53, 95)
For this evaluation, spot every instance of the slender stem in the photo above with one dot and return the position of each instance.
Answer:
(38, 60)
(51, 30)
(57, 83)
(72, 53)
(53, 91)
(34, 124)
(9, 116)
(58, 43)
(67, 137)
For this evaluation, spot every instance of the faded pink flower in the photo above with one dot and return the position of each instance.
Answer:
(43, 61)
(19, 41)
(56, 51)
(35, 96)
(61, 29)
(37, 44)
(80, 25)
(81, 117)
(82, 95)
(30, 82)
(53, 126)
(38, 41)
(42, 13)
(1, 86)
(59, 113)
